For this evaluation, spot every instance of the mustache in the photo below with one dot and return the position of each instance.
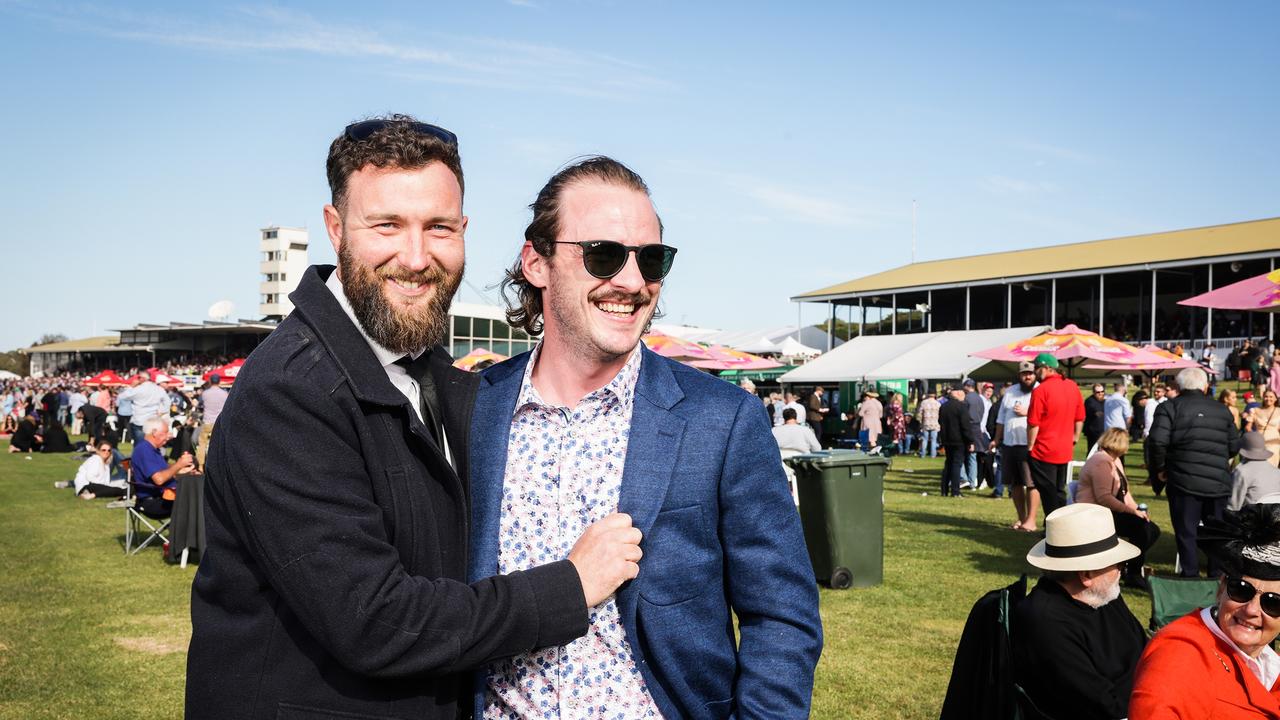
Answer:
(613, 296)
(428, 275)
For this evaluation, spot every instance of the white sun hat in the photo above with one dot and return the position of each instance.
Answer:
(1080, 537)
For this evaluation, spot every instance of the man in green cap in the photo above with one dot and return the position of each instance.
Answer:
(1054, 421)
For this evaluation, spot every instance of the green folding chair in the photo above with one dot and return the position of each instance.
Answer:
(1173, 597)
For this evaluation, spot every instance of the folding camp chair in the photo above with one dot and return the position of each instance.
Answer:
(140, 527)
(1173, 597)
(982, 678)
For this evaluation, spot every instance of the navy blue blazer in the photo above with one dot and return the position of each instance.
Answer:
(703, 482)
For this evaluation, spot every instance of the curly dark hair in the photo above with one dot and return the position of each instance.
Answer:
(397, 145)
(526, 312)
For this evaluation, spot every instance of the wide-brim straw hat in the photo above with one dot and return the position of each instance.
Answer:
(1080, 537)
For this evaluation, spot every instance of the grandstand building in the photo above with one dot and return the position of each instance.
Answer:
(1125, 288)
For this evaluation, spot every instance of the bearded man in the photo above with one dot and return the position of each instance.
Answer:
(1075, 643)
(334, 582)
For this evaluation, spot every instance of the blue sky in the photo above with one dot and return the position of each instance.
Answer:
(146, 143)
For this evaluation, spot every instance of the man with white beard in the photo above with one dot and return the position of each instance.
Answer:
(1075, 642)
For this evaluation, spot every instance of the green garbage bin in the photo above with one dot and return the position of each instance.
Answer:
(842, 511)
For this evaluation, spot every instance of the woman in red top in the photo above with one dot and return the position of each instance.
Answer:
(1216, 662)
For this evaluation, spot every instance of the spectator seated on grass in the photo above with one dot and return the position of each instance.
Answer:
(154, 478)
(26, 438)
(56, 440)
(1075, 642)
(93, 479)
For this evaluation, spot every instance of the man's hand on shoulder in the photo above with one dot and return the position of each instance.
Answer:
(606, 556)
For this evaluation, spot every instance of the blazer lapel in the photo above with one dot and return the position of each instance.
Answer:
(491, 425)
(652, 447)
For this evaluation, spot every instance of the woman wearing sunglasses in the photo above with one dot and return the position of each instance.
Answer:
(1217, 662)
(93, 479)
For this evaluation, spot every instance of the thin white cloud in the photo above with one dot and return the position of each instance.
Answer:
(1004, 185)
(790, 203)
(524, 3)
(476, 61)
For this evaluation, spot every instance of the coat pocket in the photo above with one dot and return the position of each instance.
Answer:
(680, 561)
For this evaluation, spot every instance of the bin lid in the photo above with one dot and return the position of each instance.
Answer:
(840, 458)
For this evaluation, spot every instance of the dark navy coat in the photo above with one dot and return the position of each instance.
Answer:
(334, 584)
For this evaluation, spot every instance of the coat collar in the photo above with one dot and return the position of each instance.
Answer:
(315, 304)
(346, 344)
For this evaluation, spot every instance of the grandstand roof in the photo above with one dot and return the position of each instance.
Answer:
(99, 343)
(1215, 241)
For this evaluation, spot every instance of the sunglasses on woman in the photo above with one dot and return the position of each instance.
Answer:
(606, 258)
(1242, 591)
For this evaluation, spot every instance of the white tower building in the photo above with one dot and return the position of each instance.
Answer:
(284, 259)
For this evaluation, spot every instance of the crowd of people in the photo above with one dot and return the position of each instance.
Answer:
(166, 432)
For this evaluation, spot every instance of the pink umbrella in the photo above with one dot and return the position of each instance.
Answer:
(676, 348)
(1068, 344)
(1259, 294)
(1168, 361)
(724, 358)
(479, 355)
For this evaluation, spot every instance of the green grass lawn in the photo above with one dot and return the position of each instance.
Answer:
(86, 632)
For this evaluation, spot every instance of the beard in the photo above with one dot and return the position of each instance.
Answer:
(1099, 595)
(1027, 386)
(423, 325)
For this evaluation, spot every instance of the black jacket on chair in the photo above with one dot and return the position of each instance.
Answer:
(334, 580)
(1193, 438)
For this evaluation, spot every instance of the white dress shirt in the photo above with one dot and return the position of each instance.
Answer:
(397, 374)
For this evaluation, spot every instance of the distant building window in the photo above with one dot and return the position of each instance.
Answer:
(282, 277)
(297, 246)
(270, 234)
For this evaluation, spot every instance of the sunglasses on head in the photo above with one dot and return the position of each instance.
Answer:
(363, 130)
(1242, 591)
(606, 258)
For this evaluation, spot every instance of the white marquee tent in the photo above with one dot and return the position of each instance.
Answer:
(929, 356)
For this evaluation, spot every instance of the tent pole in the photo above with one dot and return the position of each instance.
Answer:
(831, 328)
(1153, 307)
(1053, 302)
(966, 307)
(1008, 306)
(1209, 323)
(929, 315)
(1102, 302)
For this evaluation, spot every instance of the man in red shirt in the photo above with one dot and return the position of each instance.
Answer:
(1054, 421)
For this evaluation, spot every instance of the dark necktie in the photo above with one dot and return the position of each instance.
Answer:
(417, 369)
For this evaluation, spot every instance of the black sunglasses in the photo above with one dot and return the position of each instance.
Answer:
(1242, 591)
(606, 258)
(362, 130)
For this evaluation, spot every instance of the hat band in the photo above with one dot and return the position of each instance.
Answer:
(1074, 551)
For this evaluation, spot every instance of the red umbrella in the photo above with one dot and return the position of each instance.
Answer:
(106, 378)
(227, 373)
(162, 378)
